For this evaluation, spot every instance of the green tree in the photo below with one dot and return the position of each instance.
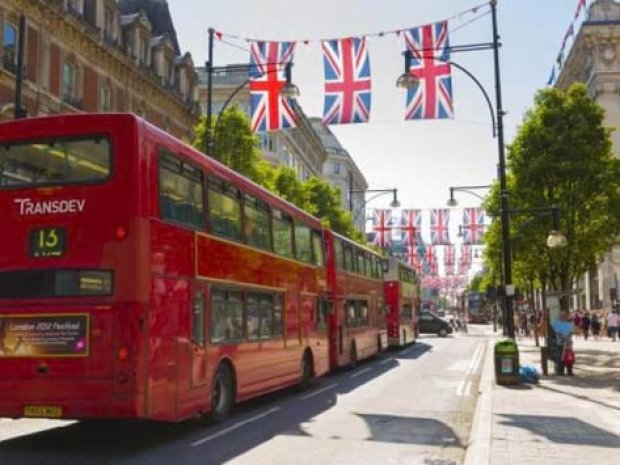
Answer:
(236, 147)
(560, 156)
(234, 144)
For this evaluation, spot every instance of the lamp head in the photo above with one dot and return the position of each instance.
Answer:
(290, 91)
(407, 81)
(452, 202)
(556, 239)
(395, 203)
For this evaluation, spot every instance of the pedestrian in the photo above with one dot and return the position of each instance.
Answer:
(596, 326)
(564, 355)
(577, 321)
(612, 324)
(585, 325)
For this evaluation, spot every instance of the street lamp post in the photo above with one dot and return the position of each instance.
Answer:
(497, 117)
(288, 91)
(394, 203)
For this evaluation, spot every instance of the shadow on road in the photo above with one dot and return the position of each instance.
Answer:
(152, 443)
(411, 430)
(563, 430)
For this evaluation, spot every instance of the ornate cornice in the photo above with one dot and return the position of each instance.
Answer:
(87, 43)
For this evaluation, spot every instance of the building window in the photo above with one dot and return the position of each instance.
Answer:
(336, 168)
(108, 25)
(68, 82)
(105, 98)
(9, 46)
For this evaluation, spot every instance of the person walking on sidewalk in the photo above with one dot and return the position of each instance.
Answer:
(564, 355)
(585, 325)
(613, 320)
(577, 321)
(596, 326)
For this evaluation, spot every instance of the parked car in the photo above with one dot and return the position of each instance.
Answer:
(429, 323)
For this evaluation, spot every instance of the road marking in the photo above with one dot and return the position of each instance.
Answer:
(387, 360)
(234, 427)
(477, 358)
(361, 372)
(464, 388)
(316, 393)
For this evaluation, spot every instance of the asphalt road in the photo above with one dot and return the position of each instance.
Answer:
(409, 407)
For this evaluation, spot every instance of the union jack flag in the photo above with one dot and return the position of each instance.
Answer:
(347, 81)
(382, 227)
(414, 260)
(466, 254)
(411, 228)
(430, 49)
(268, 60)
(440, 220)
(430, 256)
(473, 225)
(448, 256)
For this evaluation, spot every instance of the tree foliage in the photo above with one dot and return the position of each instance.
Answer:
(561, 156)
(236, 147)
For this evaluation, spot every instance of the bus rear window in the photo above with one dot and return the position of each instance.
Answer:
(54, 161)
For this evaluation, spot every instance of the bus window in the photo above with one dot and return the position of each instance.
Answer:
(256, 223)
(317, 249)
(54, 162)
(278, 315)
(226, 316)
(180, 191)
(303, 247)
(198, 320)
(362, 307)
(361, 269)
(259, 320)
(368, 265)
(282, 234)
(224, 210)
(339, 254)
(351, 313)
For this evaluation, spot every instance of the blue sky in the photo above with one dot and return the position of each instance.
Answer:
(420, 158)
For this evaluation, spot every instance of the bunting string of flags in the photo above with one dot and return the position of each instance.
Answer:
(347, 74)
(402, 235)
(570, 33)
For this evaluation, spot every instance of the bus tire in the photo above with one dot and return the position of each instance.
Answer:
(222, 394)
(353, 356)
(306, 370)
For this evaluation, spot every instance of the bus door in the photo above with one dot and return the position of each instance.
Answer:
(198, 328)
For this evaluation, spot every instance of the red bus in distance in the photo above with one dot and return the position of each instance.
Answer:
(357, 318)
(402, 300)
(142, 279)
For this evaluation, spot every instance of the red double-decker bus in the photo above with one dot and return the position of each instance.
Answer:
(357, 318)
(402, 300)
(142, 279)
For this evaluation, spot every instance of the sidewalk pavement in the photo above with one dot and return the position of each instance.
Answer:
(563, 420)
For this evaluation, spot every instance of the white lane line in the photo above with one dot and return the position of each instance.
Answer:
(361, 372)
(387, 360)
(316, 393)
(467, 389)
(475, 362)
(461, 388)
(234, 427)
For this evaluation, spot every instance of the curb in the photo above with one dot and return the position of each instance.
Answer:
(479, 445)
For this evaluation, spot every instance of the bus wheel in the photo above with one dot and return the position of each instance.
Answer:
(222, 395)
(353, 356)
(306, 371)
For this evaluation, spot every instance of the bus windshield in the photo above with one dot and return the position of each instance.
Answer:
(54, 162)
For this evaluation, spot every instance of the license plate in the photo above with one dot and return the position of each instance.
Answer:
(42, 411)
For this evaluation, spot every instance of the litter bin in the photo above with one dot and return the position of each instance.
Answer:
(506, 362)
